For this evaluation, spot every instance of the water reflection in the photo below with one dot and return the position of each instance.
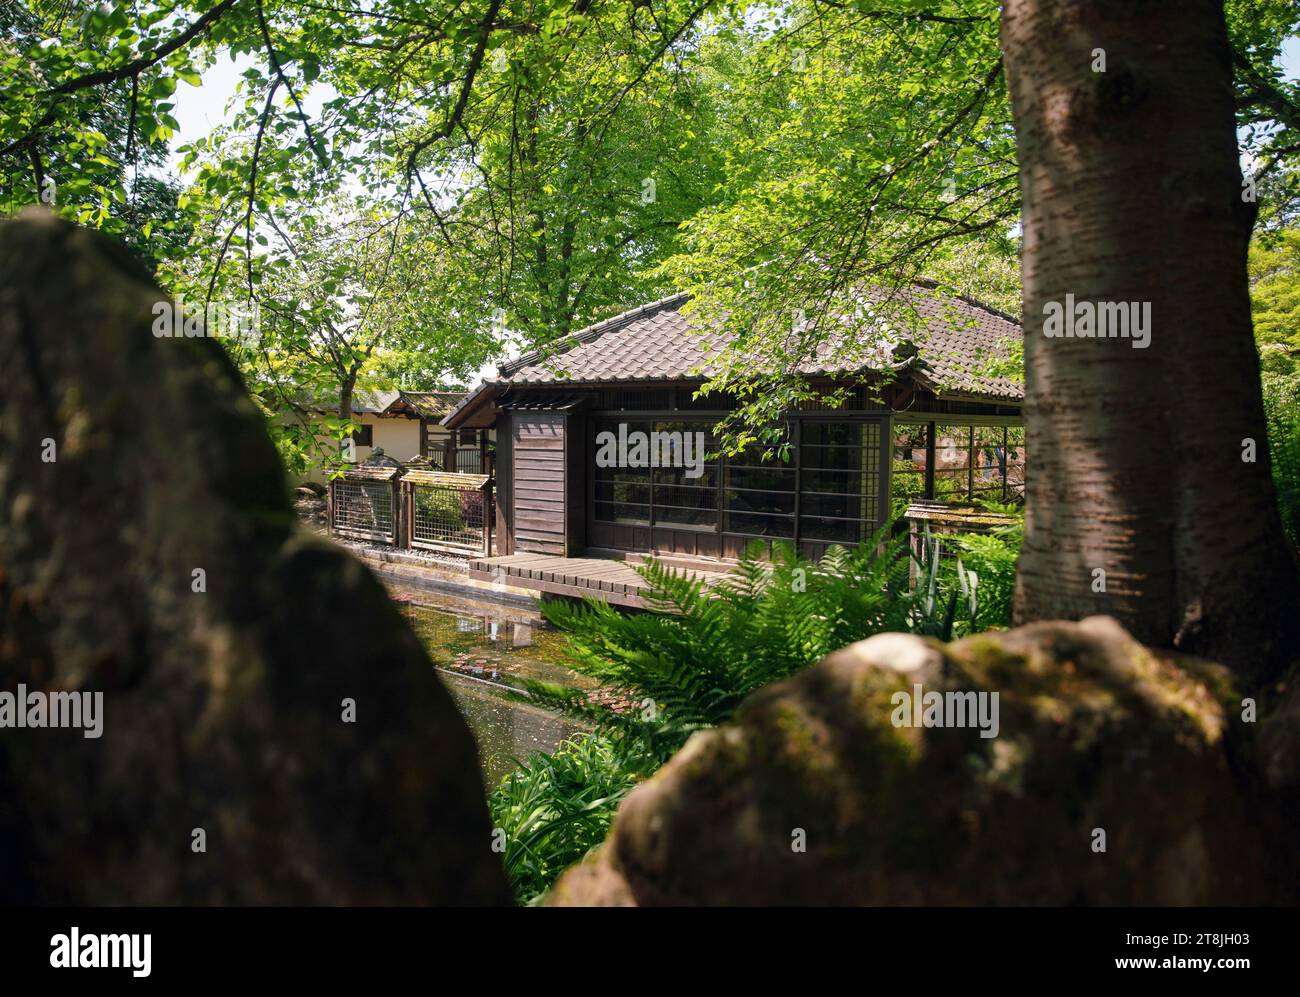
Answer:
(505, 730)
(484, 649)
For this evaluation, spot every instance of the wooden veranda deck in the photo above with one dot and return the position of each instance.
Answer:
(602, 578)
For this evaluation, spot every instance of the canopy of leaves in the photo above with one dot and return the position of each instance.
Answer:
(572, 157)
(98, 159)
(1275, 303)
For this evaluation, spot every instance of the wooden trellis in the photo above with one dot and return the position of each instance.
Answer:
(446, 511)
(363, 504)
(927, 517)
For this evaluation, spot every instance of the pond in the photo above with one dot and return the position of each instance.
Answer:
(483, 650)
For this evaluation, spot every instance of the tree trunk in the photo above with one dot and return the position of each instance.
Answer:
(346, 386)
(1132, 193)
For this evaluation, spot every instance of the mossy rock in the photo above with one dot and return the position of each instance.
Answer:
(223, 705)
(814, 796)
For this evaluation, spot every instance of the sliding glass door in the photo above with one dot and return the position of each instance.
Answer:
(652, 492)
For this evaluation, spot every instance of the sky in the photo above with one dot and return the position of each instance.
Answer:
(200, 109)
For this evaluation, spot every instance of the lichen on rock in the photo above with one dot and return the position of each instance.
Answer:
(223, 707)
(813, 796)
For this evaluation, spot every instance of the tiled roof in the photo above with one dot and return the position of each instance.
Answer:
(652, 342)
(363, 402)
(945, 341)
(432, 404)
(405, 404)
(373, 402)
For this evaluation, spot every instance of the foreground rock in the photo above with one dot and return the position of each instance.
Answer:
(814, 796)
(223, 708)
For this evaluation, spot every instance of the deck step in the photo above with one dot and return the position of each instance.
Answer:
(576, 577)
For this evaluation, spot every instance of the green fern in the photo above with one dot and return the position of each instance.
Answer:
(686, 664)
(992, 557)
(699, 651)
(1282, 410)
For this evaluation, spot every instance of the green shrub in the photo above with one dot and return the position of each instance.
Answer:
(697, 654)
(992, 556)
(1282, 411)
(683, 665)
(555, 807)
(442, 505)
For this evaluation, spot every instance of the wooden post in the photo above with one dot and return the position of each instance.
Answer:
(401, 520)
(970, 464)
(929, 459)
(399, 517)
(1003, 463)
(797, 433)
(885, 479)
(408, 516)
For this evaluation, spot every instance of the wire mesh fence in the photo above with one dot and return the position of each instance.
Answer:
(363, 509)
(448, 516)
(414, 507)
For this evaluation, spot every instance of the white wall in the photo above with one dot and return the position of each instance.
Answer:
(437, 435)
(398, 438)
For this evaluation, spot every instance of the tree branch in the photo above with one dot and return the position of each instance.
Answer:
(279, 71)
(467, 84)
(1265, 94)
(125, 71)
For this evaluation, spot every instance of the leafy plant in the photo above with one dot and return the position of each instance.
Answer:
(684, 665)
(1282, 412)
(689, 661)
(992, 558)
(977, 579)
(693, 658)
(1004, 508)
(555, 807)
(935, 608)
(443, 506)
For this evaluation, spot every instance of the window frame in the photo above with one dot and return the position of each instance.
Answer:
(725, 479)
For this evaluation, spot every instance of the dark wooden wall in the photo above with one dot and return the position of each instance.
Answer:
(538, 483)
(502, 472)
(578, 447)
(664, 540)
(544, 497)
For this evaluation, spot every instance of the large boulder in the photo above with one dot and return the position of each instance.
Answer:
(229, 769)
(1114, 778)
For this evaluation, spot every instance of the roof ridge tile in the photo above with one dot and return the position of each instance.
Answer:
(594, 331)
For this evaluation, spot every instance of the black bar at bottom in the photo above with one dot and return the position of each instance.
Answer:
(335, 947)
